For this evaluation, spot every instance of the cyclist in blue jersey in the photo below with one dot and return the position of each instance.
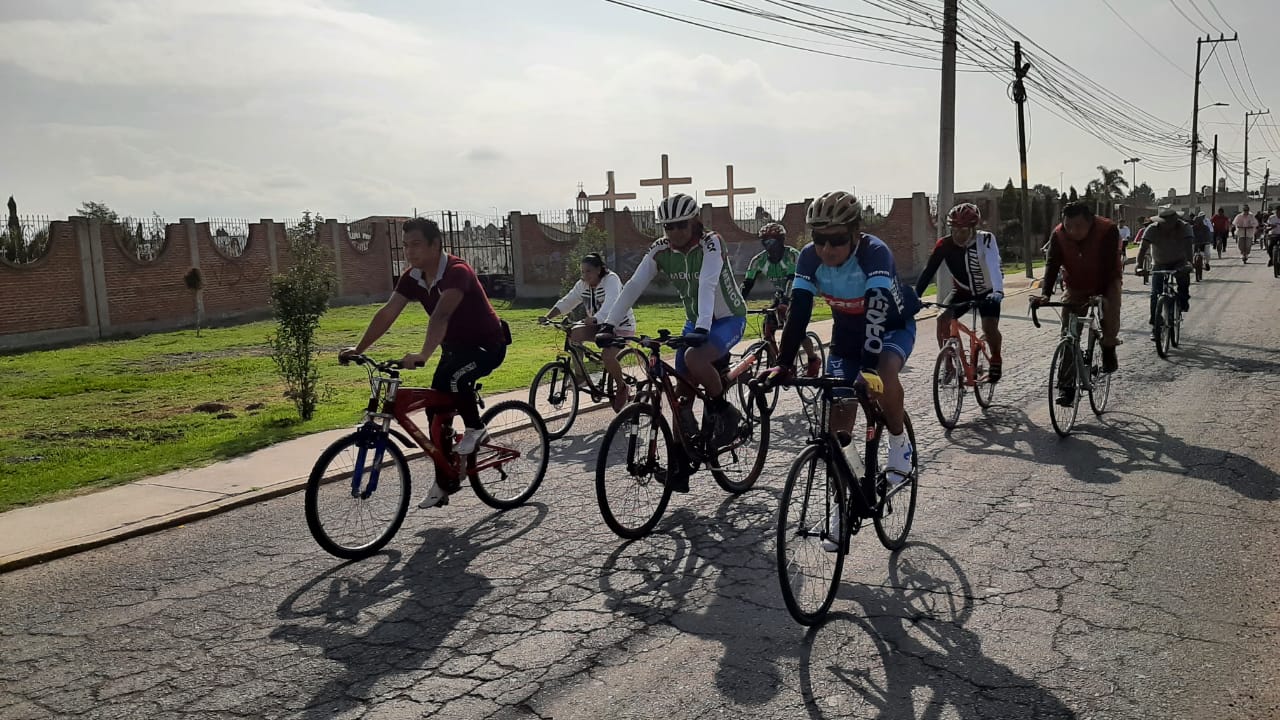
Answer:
(873, 311)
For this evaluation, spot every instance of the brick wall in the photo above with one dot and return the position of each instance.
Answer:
(151, 292)
(233, 286)
(364, 274)
(48, 295)
(898, 233)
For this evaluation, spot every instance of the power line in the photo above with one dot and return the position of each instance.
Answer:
(1144, 39)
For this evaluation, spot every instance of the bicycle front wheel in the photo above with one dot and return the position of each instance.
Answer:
(358, 494)
(895, 502)
(1063, 417)
(507, 468)
(632, 471)
(811, 542)
(737, 467)
(983, 389)
(1175, 324)
(948, 386)
(1099, 383)
(554, 396)
(1160, 327)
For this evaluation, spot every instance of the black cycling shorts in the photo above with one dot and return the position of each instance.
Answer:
(987, 308)
(461, 367)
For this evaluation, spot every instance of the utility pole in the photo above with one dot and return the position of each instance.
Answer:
(1020, 97)
(1195, 103)
(1248, 115)
(947, 139)
(1134, 162)
(1266, 178)
(1213, 204)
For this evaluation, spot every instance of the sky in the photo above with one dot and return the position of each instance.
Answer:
(264, 108)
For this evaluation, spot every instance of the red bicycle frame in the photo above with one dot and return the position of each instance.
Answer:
(440, 413)
(976, 345)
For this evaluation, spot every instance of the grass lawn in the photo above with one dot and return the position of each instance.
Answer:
(109, 412)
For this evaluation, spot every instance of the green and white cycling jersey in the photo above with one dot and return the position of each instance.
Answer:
(701, 275)
(780, 273)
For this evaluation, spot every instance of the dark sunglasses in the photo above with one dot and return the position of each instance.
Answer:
(833, 239)
(676, 225)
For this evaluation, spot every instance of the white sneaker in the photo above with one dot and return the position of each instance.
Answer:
(436, 497)
(899, 464)
(470, 439)
(832, 537)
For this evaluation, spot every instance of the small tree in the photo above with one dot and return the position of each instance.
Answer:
(195, 283)
(299, 298)
(592, 239)
(100, 212)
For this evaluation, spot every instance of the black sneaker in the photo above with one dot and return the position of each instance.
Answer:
(996, 371)
(726, 424)
(1109, 361)
(1067, 396)
(676, 475)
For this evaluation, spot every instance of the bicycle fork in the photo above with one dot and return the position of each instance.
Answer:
(370, 437)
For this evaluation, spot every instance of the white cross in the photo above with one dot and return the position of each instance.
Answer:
(729, 191)
(610, 196)
(666, 181)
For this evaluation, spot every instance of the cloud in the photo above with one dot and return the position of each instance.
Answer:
(482, 155)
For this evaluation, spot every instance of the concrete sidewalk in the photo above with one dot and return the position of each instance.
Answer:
(42, 532)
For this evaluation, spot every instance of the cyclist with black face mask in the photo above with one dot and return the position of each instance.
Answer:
(778, 263)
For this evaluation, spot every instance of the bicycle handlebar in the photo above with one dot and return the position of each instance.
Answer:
(387, 366)
(1098, 300)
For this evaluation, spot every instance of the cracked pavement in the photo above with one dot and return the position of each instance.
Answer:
(1126, 572)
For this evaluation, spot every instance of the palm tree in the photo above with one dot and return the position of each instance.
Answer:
(1111, 187)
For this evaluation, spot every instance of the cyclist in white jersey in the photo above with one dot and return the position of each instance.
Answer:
(598, 291)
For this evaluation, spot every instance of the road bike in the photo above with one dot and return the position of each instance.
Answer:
(956, 370)
(641, 459)
(359, 490)
(577, 370)
(1074, 371)
(829, 497)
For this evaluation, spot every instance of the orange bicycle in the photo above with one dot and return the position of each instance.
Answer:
(956, 370)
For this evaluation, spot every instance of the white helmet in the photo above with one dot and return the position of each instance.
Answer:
(676, 208)
(834, 208)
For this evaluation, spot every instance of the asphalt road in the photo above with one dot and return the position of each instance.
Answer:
(1127, 572)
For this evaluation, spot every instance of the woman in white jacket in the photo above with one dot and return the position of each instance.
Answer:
(598, 290)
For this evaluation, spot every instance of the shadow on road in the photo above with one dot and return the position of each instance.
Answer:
(1124, 443)
(660, 581)
(434, 590)
(908, 655)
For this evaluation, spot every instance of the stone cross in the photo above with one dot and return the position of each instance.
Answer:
(610, 196)
(666, 181)
(729, 191)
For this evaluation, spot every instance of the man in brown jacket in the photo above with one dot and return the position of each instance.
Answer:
(1088, 249)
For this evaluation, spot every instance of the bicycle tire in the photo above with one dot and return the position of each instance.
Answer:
(1063, 418)
(1099, 381)
(809, 394)
(322, 477)
(764, 360)
(801, 538)
(543, 395)
(1275, 258)
(1175, 325)
(984, 391)
(1199, 273)
(949, 415)
(754, 436)
(528, 431)
(910, 486)
(629, 424)
(1158, 329)
(635, 372)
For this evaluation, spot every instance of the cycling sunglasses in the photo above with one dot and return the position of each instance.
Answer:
(833, 239)
(676, 225)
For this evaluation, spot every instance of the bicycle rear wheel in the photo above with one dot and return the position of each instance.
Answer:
(358, 494)
(507, 468)
(1160, 328)
(895, 504)
(737, 467)
(554, 396)
(1099, 382)
(983, 389)
(1175, 324)
(632, 469)
(948, 386)
(1064, 417)
(808, 573)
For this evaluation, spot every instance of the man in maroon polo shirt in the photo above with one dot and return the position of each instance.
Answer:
(473, 340)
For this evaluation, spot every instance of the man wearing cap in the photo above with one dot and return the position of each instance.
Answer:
(1171, 244)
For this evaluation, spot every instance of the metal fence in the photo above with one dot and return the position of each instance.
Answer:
(143, 238)
(483, 240)
(25, 239)
(230, 235)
